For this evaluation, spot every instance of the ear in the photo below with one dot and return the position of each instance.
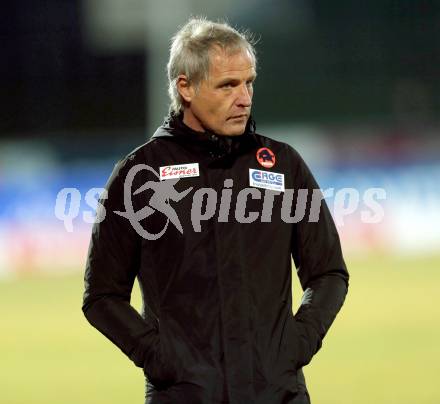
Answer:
(185, 89)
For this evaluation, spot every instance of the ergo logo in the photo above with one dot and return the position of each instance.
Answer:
(264, 175)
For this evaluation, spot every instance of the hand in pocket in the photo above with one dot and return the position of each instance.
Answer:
(159, 368)
(304, 355)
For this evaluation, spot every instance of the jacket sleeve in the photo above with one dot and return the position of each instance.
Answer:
(322, 272)
(112, 265)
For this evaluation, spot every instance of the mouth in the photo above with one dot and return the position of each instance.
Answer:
(239, 117)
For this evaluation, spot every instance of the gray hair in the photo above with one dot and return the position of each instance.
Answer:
(190, 51)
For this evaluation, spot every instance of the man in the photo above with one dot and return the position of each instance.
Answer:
(200, 215)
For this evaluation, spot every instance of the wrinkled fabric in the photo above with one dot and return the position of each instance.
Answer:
(217, 324)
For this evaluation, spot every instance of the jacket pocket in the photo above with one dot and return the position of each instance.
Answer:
(303, 354)
(289, 353)
(160, 369)
(279, 359)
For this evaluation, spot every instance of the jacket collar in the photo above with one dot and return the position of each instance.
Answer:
(218, 145)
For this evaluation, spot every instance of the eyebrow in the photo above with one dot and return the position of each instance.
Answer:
(235, 80)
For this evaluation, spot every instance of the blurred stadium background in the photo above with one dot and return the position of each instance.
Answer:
(354, 87)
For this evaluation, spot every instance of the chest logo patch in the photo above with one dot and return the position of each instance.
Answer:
(266, 180)
(266, 157)
(179, 171)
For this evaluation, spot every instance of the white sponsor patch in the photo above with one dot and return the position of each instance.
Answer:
(179, 171)
(266, 180)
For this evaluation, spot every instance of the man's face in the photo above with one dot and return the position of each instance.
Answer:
(222, 103)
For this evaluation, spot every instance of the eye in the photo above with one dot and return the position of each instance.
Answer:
(227, 85)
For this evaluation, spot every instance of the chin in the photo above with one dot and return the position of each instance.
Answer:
(235, 130)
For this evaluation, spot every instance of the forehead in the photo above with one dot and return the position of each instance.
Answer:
(223, 63)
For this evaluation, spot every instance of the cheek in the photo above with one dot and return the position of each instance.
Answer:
(210, 111)
(204, 107)
(217, 108)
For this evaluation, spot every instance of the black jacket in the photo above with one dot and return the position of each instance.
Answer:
(217, 323)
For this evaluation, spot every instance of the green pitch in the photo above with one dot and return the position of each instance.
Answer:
(383, 348)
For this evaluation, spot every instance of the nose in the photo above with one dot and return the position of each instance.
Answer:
(245, 96)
